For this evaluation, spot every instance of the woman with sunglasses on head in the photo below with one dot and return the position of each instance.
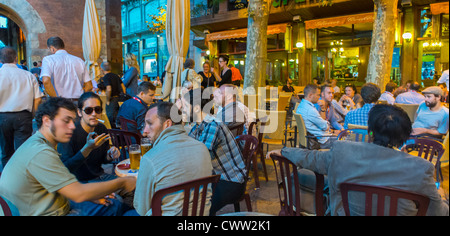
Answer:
(225, 74)
(88, 148)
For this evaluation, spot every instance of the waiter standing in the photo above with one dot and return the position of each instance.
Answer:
(64, 75)
(19, 98)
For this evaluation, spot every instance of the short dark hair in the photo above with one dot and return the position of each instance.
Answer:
(370, 93)
(86, 96)
(225, 58)
(415, 86)
(8, 55)
(390, 87)
(309, 89)
(56, 42)
(324, 86)
(145, 87)
(164, 110)
(193, 97)
(353, 86)
(390, 125)
(51, 107)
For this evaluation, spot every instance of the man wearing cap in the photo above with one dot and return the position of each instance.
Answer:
(431, 116)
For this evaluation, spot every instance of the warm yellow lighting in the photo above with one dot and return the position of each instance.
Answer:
(407, 36)
(208, 52)
(242, 63)
(426, 44)
(299, 45)
(341, 49)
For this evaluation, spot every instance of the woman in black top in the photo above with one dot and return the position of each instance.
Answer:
(209, 80)
(225, 76)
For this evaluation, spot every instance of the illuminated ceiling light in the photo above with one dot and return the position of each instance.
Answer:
(208, 52)
(299, 45)
(407, 36)
(341, 49)
(426, 44)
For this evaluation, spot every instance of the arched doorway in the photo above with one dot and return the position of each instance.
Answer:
(21, 14)
(12, 35)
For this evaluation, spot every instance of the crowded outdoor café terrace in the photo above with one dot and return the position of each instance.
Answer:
(71, 145)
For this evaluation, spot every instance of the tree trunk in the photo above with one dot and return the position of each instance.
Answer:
(383, 40)
(255, 64)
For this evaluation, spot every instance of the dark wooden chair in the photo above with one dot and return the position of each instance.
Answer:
(124, 123)
(256, 127)
(188, 188)
(289, 184)
(122, 140)
(249, 146)
(355, 135)
(236, 129)
(421, 201)
(427, 149)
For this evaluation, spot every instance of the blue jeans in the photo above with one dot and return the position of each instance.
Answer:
(116, 208)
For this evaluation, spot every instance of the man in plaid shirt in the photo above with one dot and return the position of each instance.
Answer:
(370, 94)
(226, 156)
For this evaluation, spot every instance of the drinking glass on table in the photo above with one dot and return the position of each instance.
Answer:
(135, 156)
(146, 145)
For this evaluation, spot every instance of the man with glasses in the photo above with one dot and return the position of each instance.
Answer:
(88, 148)
(37, 182)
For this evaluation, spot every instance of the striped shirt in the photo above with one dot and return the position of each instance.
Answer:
(358, 116)
(226, 156)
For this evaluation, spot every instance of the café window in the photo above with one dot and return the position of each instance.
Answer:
(426, 23)
(150, 65)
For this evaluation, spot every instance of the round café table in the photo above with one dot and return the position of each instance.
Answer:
(125, 172)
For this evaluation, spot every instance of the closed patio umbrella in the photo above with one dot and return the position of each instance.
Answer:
(178, 25)
(91, 37)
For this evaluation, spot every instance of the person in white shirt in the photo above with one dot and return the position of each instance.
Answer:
(444, 78)
(19, 98)
(388, 94)
(64, 75)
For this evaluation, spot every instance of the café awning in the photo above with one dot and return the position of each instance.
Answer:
(242, 33)
(340, 20)
(439, 8)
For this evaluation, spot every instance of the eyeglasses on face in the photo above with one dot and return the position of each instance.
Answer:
(89, 110)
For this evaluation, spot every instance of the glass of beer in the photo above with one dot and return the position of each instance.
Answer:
(135, 156)
(146, 145)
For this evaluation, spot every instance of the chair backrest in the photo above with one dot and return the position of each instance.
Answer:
(283, 102)
(190, 187)
(353, 126)
(237, 129)
(355, 135)
(287, 177)
(273, 123)
(427, 149)
(421, 201)
(248, 149)
(124, 123)
(123, 139)
(301, 129)
(410, 109)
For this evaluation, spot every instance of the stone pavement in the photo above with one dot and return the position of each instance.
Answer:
(265, 199)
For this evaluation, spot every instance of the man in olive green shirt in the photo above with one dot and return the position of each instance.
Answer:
(36, 181)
